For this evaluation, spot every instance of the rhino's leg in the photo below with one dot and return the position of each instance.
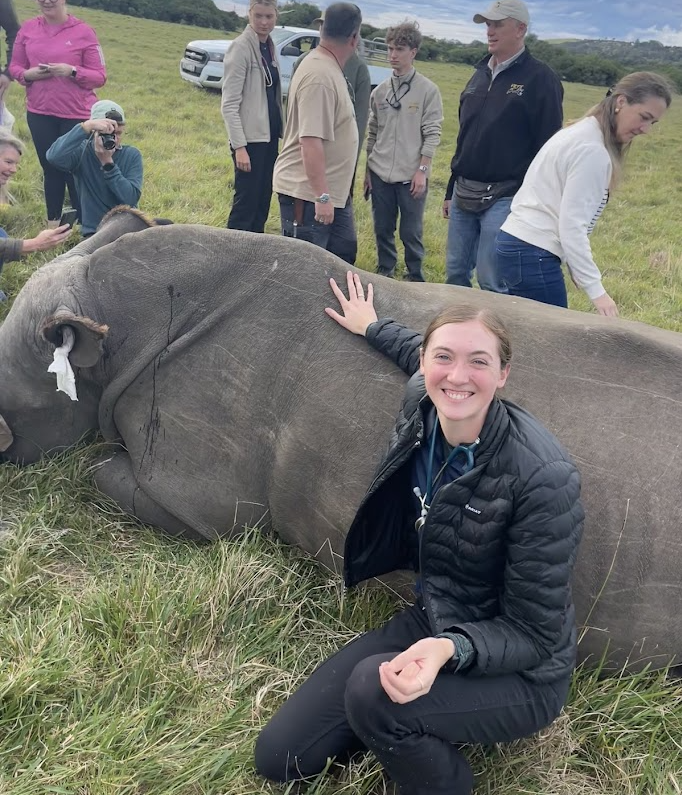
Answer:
(114, 477)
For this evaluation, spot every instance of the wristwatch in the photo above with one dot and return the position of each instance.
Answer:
(108, 167)
(325, 198)
(74, 73)
(423, 169)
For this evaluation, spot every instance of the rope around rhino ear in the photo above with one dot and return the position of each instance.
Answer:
(89, 336)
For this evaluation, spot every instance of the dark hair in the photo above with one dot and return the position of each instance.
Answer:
(341, 21)
(406, 34)
(463, 313)
(637, 88)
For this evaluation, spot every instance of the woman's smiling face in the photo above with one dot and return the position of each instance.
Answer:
(462, 371)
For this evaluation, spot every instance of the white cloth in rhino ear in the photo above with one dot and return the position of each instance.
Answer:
(61, 366)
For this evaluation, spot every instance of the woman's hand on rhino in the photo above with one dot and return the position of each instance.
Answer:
(358, 310)
(48, 238)
(605, 305)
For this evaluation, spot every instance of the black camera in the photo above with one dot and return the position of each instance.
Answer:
(109, 139)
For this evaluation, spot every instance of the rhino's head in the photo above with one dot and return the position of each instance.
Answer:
(35, 419)
(57, 303)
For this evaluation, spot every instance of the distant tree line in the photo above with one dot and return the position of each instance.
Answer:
(197, 12)
(594, 62)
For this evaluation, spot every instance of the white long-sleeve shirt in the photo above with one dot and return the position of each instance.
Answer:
(564, 192)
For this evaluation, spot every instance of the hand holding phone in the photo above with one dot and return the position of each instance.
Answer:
(68, 217)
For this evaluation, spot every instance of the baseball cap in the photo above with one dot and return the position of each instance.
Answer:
(318, 20)
(505, 9)
(100, 109)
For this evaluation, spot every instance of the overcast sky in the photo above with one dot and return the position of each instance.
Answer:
(590, 19)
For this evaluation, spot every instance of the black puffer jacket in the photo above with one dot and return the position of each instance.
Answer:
(499, 543)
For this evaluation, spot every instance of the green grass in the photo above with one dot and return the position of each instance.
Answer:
(131, 664)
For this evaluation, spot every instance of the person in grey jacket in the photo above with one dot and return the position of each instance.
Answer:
(252, 110)
(406, 114)
(483, 503)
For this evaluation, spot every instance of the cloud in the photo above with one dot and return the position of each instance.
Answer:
(550, 19)
(666, 35)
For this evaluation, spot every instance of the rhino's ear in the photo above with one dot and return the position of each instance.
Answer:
(87, 349)
(6, 437)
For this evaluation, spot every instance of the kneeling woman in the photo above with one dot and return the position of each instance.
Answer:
(484, 503)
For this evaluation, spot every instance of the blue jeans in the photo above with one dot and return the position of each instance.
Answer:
(471, 244)
(530, 272)
(338, 238)
(387, 199)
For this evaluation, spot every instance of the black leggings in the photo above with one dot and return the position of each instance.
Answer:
(45, 130)
(253, 189)
(342, 708)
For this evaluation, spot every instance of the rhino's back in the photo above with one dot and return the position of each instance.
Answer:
(258, 394)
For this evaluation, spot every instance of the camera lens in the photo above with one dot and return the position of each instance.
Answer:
(108, 141)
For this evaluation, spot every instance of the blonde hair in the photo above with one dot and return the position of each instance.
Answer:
(637, 88)
(272, 3)
(7, 139)
(463, 313)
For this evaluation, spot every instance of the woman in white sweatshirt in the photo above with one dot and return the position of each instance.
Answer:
(565, 191)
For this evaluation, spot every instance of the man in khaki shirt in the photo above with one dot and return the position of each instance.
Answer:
(314, 170)
(406, 114)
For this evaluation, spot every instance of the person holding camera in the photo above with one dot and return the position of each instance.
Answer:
(107, 173)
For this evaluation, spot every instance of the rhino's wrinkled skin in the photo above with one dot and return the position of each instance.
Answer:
(238, 399)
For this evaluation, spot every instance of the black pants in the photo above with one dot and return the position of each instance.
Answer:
(338, 238)
(253, 189)
(45, 130)
(342, 709)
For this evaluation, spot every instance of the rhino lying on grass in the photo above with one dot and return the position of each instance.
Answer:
(207, 352)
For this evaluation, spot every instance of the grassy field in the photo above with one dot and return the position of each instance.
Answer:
(131, 664)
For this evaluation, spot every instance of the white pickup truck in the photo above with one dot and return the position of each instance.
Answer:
(202, 63)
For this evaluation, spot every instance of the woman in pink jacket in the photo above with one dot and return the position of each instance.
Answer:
(59, 60)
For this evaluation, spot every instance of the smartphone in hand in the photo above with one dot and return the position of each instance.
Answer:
(68, 217)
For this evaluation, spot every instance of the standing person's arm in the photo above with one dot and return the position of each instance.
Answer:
(315, 167)
(432, 121)
(362, 90)
(372, 127)
(549, 116)
(10, 24)
(20, 68)
(583, 196)
(235, 65)
(316, 113)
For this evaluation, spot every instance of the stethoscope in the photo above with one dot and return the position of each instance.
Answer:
(425, 500)
(393, 99)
